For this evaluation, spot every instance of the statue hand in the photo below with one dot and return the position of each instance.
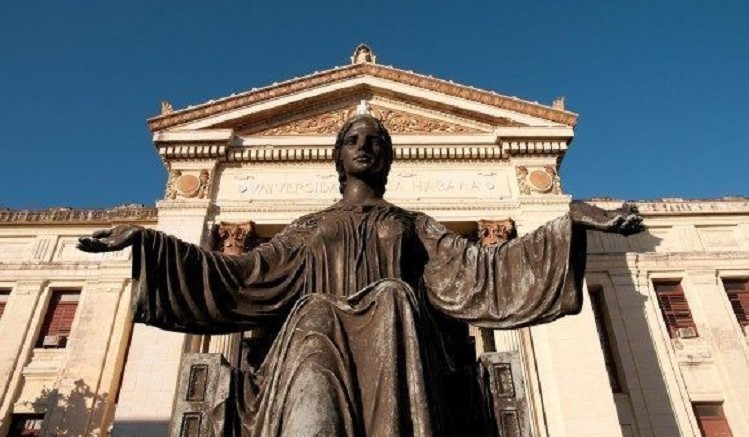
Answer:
(625, 221)
(110, 240)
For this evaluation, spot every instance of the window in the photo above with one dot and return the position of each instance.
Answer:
(59, 319)
(711, 420)
(675, 309)
(737, 290)
(26, 425)
(603, 326)
(4, 295)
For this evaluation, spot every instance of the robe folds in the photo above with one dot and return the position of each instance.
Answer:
(361, 294)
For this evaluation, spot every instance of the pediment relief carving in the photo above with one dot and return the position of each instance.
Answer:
(397, 121)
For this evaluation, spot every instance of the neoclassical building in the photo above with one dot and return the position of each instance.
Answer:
(659, 349)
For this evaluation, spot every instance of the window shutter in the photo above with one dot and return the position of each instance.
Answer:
(711, 419)
(674, 306)
(737, 290)
(59, 318)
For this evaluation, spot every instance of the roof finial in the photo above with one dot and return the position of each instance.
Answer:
(363, 54)
(363, 108)
(166, 107)
(558, 103)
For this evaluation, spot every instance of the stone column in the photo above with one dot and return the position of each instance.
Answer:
(150, 379)
(492, 233)
(233, 239)
(16, 342)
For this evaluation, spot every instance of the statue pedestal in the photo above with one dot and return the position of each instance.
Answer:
(204, 387)
(501, 376)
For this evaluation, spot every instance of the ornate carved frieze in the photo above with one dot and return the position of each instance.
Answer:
(356, 70)
(188, 185)
(125, 213)
(494, 232)
(539, 180)
(397, 122)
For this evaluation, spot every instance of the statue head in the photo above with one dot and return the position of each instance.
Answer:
(378, 148)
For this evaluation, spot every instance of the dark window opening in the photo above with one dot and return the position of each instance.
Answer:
(608, 343)
(59, 319)
(4, 296)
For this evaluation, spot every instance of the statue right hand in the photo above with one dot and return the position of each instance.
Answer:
(110, 240)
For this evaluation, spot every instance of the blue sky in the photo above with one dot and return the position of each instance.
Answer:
(662, 88)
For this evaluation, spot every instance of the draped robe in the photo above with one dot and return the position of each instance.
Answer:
(359, 292)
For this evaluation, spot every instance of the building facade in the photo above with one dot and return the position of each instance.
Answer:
(659, 349)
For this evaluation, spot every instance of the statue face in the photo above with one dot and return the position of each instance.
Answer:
(362, 152)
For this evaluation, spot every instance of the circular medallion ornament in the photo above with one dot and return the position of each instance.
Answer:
(187, 185)
(540, 181)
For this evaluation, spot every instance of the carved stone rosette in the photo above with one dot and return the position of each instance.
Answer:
(538, 180)
(188, 185)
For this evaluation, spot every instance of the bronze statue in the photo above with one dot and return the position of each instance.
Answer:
(366, 294)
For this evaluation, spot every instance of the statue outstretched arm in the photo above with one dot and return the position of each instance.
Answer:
(182, 287)
(533, 279)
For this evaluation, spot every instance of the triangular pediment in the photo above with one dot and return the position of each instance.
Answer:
(407, 102)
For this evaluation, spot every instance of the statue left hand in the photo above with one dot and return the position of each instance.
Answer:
(109, 240)
(624, 221)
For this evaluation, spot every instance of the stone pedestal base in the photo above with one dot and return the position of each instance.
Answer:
(203, 389)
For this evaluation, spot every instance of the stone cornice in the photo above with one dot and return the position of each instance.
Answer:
(143, 214)
(70, 216)
(678, 206)
(338, 74)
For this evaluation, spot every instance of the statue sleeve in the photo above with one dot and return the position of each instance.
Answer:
(181, 287)
(533, 279)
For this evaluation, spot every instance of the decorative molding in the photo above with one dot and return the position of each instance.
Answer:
(192, 151)
(679, 206)
(513, 147)
(339, 74)
(495, 232)
(234, 238)
(125, 213)
(405, 153)
(171, 190)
